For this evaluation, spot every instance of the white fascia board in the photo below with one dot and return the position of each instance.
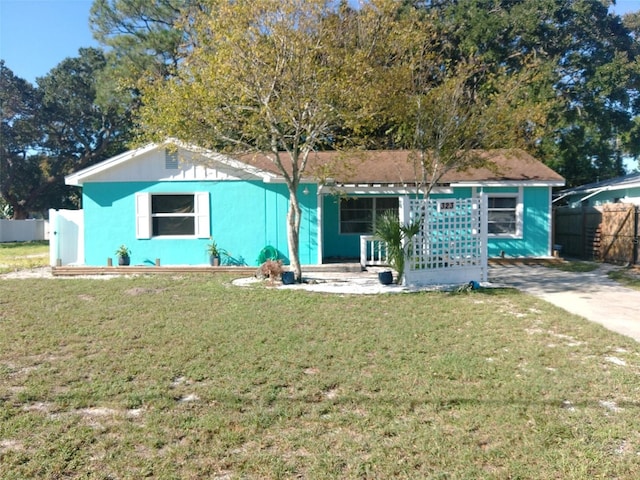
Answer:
(379, 190)
(511, 183)
(80, 176)
(608, 188)
(272, 178)
(593, 193)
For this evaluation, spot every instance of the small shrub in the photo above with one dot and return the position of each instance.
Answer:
(271, 269)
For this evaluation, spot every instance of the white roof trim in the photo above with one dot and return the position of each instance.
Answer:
(610, 185)
(560, 197)
(377, 190)
(597, 191)
(509, 183)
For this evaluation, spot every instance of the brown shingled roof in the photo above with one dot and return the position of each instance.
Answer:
(386, 167)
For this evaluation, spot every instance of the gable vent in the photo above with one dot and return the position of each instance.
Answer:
(170, 160)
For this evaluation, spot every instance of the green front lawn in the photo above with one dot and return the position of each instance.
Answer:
(22, 255)
(189, 377)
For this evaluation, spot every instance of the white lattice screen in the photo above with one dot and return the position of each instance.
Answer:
(451, 246)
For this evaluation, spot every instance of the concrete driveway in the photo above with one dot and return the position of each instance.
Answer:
(591, 295)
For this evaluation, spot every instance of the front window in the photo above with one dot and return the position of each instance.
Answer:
(503, 218)
(358, 215)
(172, 215)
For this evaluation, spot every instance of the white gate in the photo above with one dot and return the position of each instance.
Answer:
(66, 237)
(452, 244)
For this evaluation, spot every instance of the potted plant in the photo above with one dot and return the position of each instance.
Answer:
(389, 229)
(214, 253)
(123, 254)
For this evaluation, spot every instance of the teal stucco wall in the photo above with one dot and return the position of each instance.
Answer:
(337, 245)
(245, 217)
(536, 225)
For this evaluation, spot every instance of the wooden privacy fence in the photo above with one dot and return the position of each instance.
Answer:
(608, 233)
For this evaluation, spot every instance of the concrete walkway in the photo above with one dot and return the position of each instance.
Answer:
(591, 295)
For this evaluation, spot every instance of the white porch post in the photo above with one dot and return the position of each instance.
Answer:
(484, 236)
(320, 234)
(405, 219)
(404, 210)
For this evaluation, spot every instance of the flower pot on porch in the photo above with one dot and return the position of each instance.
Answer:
(124, 260)
(386, 277)
(214, 261)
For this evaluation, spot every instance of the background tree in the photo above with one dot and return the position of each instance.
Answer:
(55, 129)
(449, 124)
(19, 135)
(143, 38)
(591, 56)
(264, 76)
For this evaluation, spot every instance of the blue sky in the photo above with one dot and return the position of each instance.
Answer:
(36, 35)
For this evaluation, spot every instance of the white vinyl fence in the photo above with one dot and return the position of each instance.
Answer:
(23, 230)
(66, 245)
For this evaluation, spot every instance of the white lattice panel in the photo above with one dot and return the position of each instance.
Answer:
(451, 246)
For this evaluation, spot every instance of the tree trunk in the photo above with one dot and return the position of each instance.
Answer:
(20, 213)
(294, 215)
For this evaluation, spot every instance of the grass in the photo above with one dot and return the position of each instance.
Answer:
(189, 377)
(575, 266)
(23, 255)
(629, 277)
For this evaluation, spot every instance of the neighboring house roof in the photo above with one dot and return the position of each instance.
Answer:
(592, 189)
(619, 183)
(380, 167)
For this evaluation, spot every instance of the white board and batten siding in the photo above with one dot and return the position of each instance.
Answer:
(159, 164)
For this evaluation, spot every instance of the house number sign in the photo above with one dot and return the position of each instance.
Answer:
(446, 205)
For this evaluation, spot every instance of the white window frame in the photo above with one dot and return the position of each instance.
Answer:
(519, 213)
(144, 215)
(373, 217)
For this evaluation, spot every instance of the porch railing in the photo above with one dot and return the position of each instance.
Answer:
(373, 251)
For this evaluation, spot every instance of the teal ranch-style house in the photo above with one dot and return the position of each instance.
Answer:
(166, 203)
